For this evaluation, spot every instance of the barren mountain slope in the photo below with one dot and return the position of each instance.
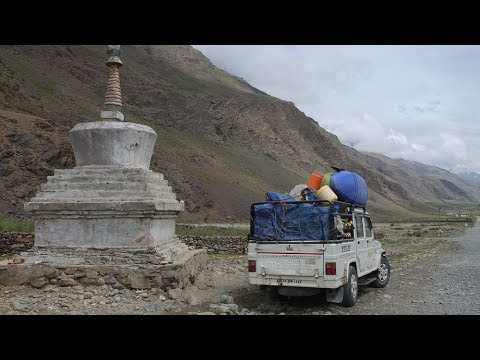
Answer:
(221, 143)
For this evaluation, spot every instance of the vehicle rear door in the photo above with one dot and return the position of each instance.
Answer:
(285, 259)
(361, 242)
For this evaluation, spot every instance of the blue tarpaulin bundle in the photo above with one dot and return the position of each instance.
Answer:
(275, 196)
(292, 221)
(349, 187)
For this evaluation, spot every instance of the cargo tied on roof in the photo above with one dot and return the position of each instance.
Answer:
(305, 213)
(292, 221)
(275, 196)
(314, 181)
(349, 187)
(342, 185)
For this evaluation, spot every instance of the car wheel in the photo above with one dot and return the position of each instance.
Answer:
(383, 274)
(350, 289)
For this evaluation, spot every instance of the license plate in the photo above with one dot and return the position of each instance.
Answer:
(290, 264)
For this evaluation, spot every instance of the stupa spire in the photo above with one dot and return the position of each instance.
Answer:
(113, 96)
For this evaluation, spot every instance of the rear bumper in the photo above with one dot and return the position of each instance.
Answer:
(296, 281)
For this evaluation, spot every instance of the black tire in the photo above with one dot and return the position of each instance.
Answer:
(382, 275)
(350, 289)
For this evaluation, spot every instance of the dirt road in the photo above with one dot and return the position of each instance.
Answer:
(431, 275)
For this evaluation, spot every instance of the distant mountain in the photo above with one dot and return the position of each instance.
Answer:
(470, 177)
(221, 142)
(425, 182)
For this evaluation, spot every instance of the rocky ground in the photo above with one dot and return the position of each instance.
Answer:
(434, 271)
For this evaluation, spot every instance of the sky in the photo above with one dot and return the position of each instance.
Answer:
(415, 102)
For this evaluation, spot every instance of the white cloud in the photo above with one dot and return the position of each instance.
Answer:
(416, 102)
(447, 151)
(367, 133)
(418, 147)
(396, 138)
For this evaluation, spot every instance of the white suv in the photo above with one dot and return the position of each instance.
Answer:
(287, 251)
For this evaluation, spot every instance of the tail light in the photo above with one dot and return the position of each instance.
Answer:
(330, 268)
(252, 265)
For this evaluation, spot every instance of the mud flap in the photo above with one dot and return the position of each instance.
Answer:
(297, 291)
(335, 295)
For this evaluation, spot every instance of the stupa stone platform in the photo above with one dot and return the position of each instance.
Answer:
(110, 219)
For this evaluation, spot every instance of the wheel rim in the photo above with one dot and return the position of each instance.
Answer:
(354, 285)
(383, 273)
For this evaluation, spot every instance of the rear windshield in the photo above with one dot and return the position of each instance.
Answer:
(293, 221)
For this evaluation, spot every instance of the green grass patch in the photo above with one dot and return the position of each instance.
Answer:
(18, 225)
(436, 219)
(190, 230)
(4, 257)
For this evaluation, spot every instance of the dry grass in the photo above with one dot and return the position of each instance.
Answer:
(14, 224)
(190, 230)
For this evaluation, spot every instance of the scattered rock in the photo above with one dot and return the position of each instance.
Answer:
(67, 282)
(110, 280)
(231, 307)
(18, 306)
(118, 286)
(139, 282)
(113, 292)
(169, 305)
(17, 246)
(192, 300)
(225, 299)
(151, 307)
(174, 293)
(219, 309)
(39, 282)
(70, 271)
(201, 285)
